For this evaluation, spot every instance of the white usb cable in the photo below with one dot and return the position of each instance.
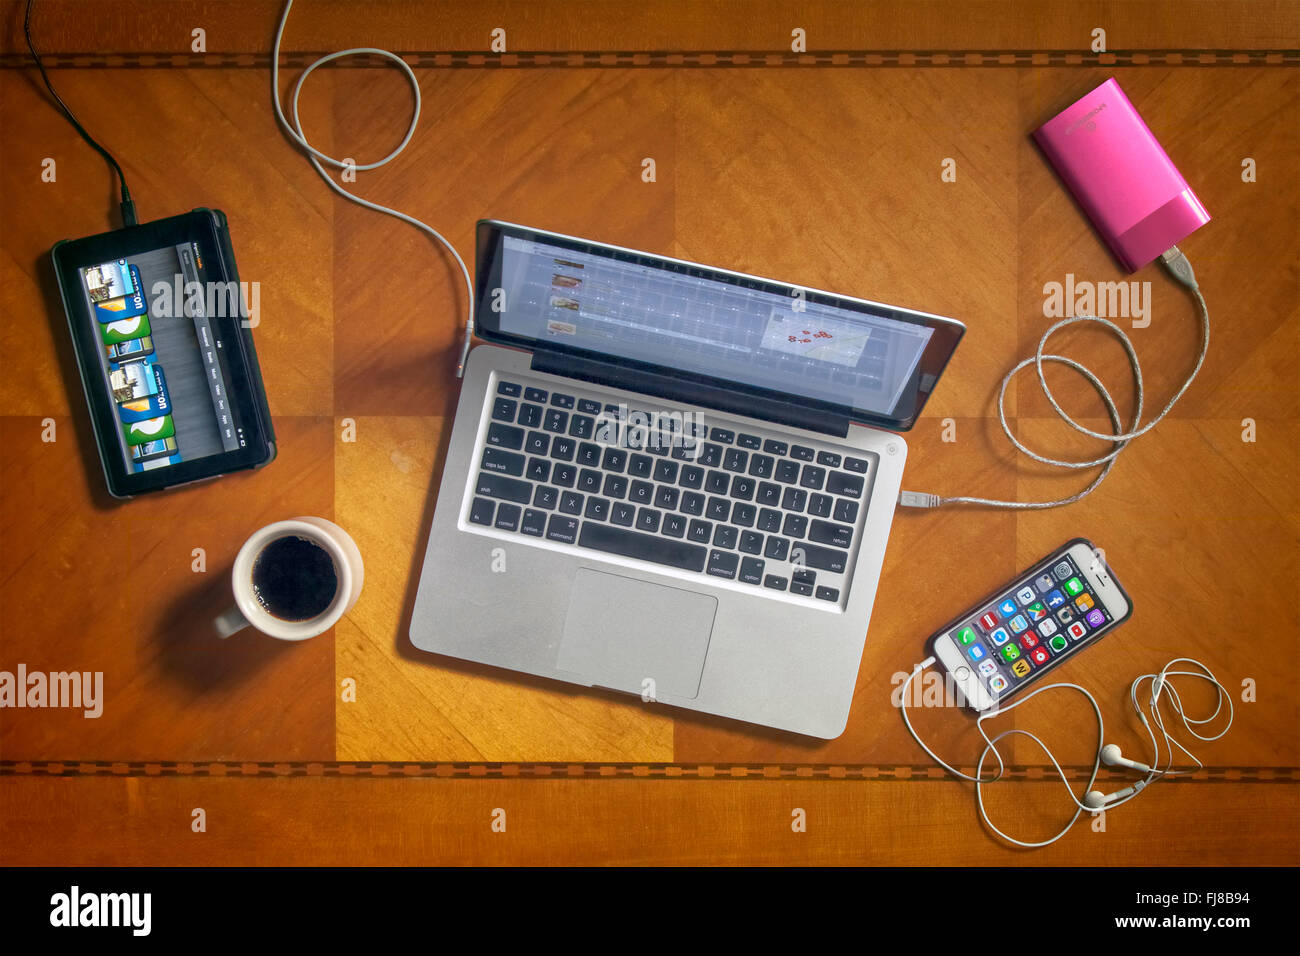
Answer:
(1181, 270)
(316, 157)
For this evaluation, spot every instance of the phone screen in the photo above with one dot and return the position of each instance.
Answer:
(162, 356)
(1049, 612)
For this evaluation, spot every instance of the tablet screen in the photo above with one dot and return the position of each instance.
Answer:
(161, 355)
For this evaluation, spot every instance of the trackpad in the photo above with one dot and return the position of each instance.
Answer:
(621, 633)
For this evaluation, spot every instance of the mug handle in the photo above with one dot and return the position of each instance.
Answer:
(230, 621)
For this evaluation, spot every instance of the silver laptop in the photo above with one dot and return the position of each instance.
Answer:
(672, 480)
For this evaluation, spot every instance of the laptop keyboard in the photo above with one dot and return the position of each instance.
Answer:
(737, 505)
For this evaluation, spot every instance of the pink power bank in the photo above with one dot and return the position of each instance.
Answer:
(1121, 176)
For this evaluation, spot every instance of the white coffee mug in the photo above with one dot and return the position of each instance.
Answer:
(248, 610)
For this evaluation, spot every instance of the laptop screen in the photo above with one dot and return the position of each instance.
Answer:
(868, 359)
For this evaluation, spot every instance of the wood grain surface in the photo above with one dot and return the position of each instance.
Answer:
(821, 168)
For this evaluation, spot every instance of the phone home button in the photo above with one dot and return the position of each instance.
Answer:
(962, 673)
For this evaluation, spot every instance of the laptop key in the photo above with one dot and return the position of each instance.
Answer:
(723, 564)
(560, 528)
(666, 471)
(724, 536)
(828, 458)
(846, 510)
(555, 420)
(787, 472)
(717, 483)
(711, 456)
(564, 474)
(647, 519)
(562, 401)
(840, 483)
(691, 476)
(719, 509)
(546, 497)
(508, 388)
(642, 493)
(804, 576)
(539, 469)
(674, 526)
(760, 466)
(828, 594)
(692, 503)
(749, 441)
(505, 436)
(640, 466)
(615, 486)
(751, 571)
(812, 477)
(742, 487)
(563, 448)
(622, 513)
(503, 409)
(802, 452)
(615, 459)
(588, 455)
(795, 526)
(503, 462)
(743, 514)
(768, 494)
(508, 516)
(500, 486)
(530, 416)
(597, 508)
(856, 464)
(823, 532)
(825, 559)
(777, 548)
(769, 520)
(538, 443)
(775, 582)
(534, 523)
(480, 511)
(794, 499)
(700, 531)
(571, 503)
(647, 547)
(666, 498)
(820, 506)
(588, 481)
(581, 426)
(722, 435)
(535, 394)
(774, 447)
(751, 542)
(735, 459)
(588, 407)
(805, 589)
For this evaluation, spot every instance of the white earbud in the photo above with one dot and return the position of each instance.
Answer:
(1096, 800)
(1112, 756)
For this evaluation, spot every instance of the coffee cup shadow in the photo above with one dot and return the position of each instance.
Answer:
(192, 653)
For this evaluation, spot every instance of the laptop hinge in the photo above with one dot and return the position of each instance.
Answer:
(693, 393)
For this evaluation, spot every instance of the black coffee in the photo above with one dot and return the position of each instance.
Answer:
(294, 579)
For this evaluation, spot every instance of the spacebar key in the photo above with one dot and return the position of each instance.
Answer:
(647, 547)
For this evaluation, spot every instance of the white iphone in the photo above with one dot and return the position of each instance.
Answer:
(1048, 613)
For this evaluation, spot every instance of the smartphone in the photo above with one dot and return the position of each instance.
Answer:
(165, 352)
(1061, 604)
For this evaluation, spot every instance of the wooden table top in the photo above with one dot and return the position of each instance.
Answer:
(822, 168)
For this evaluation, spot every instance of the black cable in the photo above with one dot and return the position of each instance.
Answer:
(128, 204)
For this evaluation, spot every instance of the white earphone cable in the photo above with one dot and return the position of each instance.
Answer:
(1160, 686)
(316, 157)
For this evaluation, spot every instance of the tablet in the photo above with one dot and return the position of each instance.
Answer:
(164, 348)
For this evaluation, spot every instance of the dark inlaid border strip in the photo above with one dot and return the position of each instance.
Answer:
(623, 59)
(587, 771)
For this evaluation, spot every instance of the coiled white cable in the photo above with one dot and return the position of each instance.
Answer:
(1161, 685)
(316, 157)
(1181, 270)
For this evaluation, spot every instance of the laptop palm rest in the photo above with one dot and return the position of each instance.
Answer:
(629, 635)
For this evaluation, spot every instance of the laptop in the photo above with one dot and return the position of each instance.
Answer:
(672, 480)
